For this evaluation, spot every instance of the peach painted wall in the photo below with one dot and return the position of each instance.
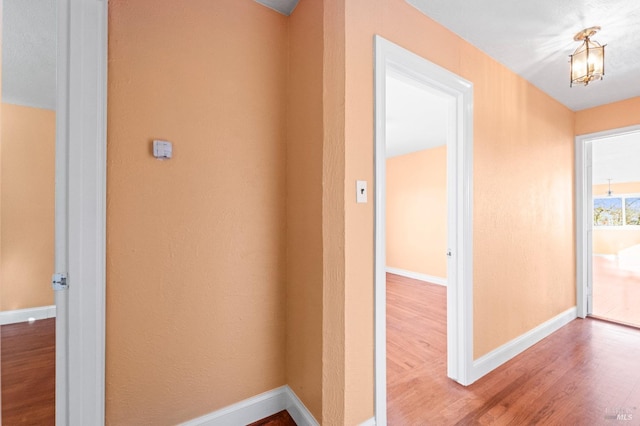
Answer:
(611, 241)
(1, 109)
(517, 129)
(27, 175)
(196, 244)
(610, 116)
(417, 212)
(304, 204)
(335, 351)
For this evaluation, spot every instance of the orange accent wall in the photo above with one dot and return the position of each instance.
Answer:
(195, 245)
(1, 130)
(304, 204)
(1, 127)
(610, 116)
(416, 227)
(524, 257)
(611, 241)
(207, 253)
(27, 176)
(335, 351)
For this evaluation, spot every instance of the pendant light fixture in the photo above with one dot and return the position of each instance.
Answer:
(587, 62)
(609, 192)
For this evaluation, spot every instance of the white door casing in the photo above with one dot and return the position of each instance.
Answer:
(81, 210)
(584, 215)
(393, 59)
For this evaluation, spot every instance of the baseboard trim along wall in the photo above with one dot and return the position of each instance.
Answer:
(257, 408)
(504, 353)
(23, 315)
(417, 276)
(370, 422)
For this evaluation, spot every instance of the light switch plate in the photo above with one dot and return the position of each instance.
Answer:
(361, 191)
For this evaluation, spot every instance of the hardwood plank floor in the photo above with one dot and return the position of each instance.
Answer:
(616, 292)
(28, 373)
(279, 419)
(583, 374)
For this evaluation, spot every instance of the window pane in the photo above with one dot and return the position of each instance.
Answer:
(632, 208)
(607, 212)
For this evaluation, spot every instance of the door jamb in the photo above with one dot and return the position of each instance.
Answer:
(584, 199)
(80, 224)
(459, 291)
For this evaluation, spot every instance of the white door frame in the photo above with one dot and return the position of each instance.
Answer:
(81, 210)
(391, 58)
(584, 218)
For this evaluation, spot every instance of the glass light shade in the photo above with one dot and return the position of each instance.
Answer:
(587, 63)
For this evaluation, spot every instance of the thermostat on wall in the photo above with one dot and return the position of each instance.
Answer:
(162, 150)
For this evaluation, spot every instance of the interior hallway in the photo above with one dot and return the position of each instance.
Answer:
(585, 373)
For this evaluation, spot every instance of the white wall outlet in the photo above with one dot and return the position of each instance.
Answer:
(162, 150)
(361, 191)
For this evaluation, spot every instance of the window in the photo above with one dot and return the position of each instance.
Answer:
(617, 211)
(632, 210)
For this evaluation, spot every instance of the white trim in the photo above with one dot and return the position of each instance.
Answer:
(391, 58)
(298, 411)
(504, 353)
(417, 276)
(370, 422)
(23, 315)
(584, 221)
(81, 210)
(257, 408)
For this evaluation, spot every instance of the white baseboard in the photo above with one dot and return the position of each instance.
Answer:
(23, 315)
(258, 407)
(298, 411)
(417, 276)
(504, 353)
(370, 422)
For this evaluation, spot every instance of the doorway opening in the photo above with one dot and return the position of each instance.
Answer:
(608, 197)
(27, 198)
(396, 67)
(417, 128)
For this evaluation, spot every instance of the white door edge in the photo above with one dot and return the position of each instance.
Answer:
(390, 57)
(81, 210)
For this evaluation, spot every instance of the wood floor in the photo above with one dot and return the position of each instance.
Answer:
(28, 373)
(279, 419)
(587, 373)
(616, 292)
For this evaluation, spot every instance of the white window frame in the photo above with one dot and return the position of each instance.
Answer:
(624, 225)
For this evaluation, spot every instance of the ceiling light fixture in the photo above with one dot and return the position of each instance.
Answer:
(609, 192)
(587, 62)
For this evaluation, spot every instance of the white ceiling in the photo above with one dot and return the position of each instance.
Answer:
(29, 53)
(416, 117)
(617, 158)
(531, 38)
(535, 38)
